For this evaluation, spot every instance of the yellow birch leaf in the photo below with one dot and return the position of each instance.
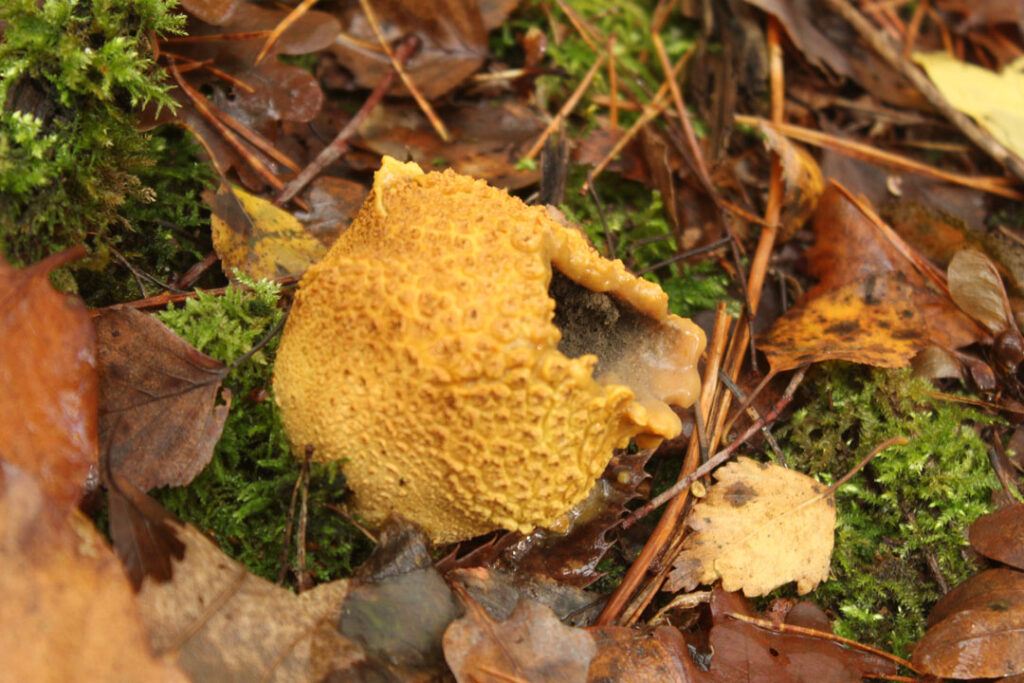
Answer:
(258, 238)
(994, 100)
(760, 526)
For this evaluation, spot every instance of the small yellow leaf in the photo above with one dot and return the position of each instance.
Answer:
(258, 238)
(760, 526)
(994, 100)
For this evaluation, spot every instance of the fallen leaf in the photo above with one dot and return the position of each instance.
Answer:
(627, 655)
(452, 32)
(760, 526)
(498, 591)
(258, 238)
(571, 557)
(977, 288)
(994, 100)
(142, 532)
(744, 652)
(999, 535)
(159, 420)
(871, 305)
(983, 634)
(68, 613)
(48, 375)
(333, 204)
(532, 645)
(223, 623)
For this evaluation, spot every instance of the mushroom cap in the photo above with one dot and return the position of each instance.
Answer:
(422, 353)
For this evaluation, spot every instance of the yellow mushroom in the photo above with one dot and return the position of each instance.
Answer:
(472, 361)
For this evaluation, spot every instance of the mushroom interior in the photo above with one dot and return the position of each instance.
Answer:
(652, 358)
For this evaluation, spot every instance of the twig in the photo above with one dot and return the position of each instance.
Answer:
(823, 635)
(329, 154)
(722, 455)
(667, 524)
(399, 68)
(885, 49)
(161, 300)
(858, 150)
(293, 16)
(286, 540)
(567, 108)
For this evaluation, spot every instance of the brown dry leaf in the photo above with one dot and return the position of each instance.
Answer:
(453, 35)
(977, 629)
(68, 613)
(226, 624)
(977, 288)
(254, 236)
(802, 179)
(48, 375)
(760, 526)
(626, 655)
(1000, 535)
(870, 304)
(488, 138)
(531, 645)
(745, 652)
(333, 204)
(159, 420)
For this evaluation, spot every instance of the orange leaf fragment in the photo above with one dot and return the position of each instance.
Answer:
(48, 375)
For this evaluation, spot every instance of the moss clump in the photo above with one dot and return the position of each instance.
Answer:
(71, 75)
(907, 513)
(242, 498)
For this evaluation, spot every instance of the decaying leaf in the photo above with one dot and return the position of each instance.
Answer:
(745, 652)
(871, 304)
(632, 656)
(994, 100)
(977, 629)
(760, 526)
(1000, 535)
(68, 613)
(259, 239)
(977, 288)
(225, 624)
(143, 533)
(48, 375)
(453, 35)
(532, 644)
(159, 420)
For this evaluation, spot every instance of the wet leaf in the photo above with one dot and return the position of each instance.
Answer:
(572, 557)
(760, 526)
(977, 288)
(453, 35)
(498, 591)
(981, 630)
(68, 613)
(745, 652)
(259, 239)
(994, 100)
(629, 655)
(999, 535)
(48, 375)
(487, 138)
(532, 644)
(226, 624)
(159, 420)
(871, 304)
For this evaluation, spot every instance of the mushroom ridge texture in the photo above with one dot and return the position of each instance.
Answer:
(422, 353)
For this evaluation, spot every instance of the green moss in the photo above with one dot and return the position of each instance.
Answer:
(642, 237)
(911, 502)
(242, 498)
(72, 74)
